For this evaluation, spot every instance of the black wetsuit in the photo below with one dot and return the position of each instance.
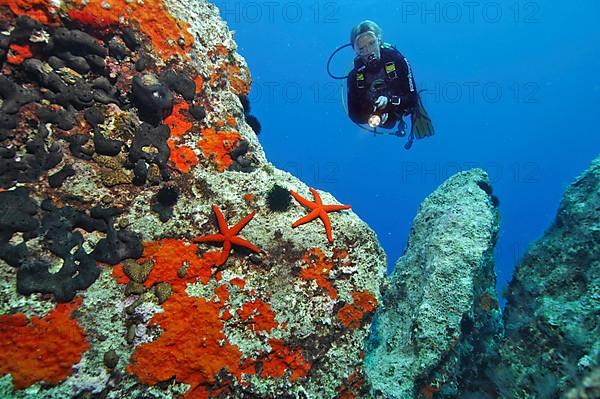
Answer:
(362, 92)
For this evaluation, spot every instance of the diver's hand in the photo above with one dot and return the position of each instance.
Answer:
(381, 102)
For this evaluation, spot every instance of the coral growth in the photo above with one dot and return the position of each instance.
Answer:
(39, 10)
(352, 386)
(175, 262)
(18, 53)
(351, 315)
(168, 35)
(43, 349)
(282, 359)
(258, 315)
(183, 157)
(192, 347)
(320, 268)
(217, 146)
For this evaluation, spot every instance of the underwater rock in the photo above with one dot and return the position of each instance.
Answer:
(270, 311)
(551, 316)
(440, 315)
(588, 388)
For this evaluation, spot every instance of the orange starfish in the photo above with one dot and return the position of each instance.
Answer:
(228, 235)
(318, 210)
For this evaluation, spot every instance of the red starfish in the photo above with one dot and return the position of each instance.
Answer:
(318, 210)
(228, 235)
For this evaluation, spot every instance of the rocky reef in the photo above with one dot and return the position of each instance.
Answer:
(440, 315)
(147, 246)
(552, 315)
(439, 332)
(149, 249)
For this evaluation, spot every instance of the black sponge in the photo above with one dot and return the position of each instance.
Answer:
(153, 99)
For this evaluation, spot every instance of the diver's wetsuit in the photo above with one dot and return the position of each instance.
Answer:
(363, 93)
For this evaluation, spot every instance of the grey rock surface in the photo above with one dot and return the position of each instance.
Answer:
(552, 315)
(440, 303)
(288, 321)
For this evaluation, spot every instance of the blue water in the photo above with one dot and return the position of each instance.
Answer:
(513, 88)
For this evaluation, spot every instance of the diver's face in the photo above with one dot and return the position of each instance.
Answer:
(367, 46)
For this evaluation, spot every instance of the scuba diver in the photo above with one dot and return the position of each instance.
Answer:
(381, 87)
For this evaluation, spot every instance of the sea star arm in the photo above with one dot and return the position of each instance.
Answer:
(244, 243)
(313, 215)
(210, 238)
(220, 219)
(224, 252)
(334, 208)
(241, 224)
(325, 218)
(315, 194)
(302, 200)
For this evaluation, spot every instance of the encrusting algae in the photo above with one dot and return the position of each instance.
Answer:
(121, 123)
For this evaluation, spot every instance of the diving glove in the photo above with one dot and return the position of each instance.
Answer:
(381, 102)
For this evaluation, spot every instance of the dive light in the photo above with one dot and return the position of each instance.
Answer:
(374, 120)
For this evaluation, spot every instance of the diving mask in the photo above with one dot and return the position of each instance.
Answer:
(367, 46)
